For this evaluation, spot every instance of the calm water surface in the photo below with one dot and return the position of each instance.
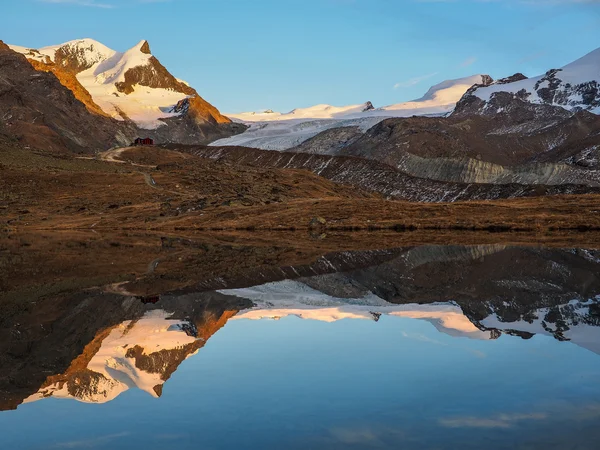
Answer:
(428, 347)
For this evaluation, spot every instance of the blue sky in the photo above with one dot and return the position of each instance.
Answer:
(255, 54)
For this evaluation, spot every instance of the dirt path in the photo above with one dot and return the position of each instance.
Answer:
(113, 155)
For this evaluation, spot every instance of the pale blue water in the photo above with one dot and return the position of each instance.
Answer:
(295, 384)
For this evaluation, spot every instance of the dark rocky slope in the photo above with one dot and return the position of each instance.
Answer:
(516, 142)
(380, 177)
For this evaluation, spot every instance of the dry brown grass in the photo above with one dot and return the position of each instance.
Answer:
(43, 192)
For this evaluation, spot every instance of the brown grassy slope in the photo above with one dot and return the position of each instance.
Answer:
(159, 189)
(577, 212)
(41, 190)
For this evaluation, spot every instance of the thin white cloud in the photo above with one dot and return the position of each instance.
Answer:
(530, 2)
(100, 441)
(89, 3)
(414, 81)
(468, 62)
(499, 421)
(97, 3)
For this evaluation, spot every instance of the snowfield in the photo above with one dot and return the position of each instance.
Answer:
(285, 134)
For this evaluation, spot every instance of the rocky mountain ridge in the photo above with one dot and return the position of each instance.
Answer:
(574, 87)
(515, 130)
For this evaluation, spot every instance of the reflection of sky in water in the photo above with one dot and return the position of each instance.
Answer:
(350, 384)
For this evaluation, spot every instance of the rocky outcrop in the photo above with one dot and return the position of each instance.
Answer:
(474, 171)
(330, 142)
(512, 79)
(75, 57)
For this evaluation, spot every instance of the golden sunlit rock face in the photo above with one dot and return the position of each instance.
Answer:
(69, 80)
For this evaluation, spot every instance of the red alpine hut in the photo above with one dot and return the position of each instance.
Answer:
(143, 141)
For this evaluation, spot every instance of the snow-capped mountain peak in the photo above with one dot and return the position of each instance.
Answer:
(114, 69)
(131, 85)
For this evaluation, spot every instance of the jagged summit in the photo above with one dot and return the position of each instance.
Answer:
(145, 48)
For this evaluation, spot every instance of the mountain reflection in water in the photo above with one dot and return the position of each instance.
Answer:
(432, 346)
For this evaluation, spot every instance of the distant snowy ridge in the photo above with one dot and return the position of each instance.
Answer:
(439, 99)
(270, 130)
(106, 75)
(313, 112)
(83, 53)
